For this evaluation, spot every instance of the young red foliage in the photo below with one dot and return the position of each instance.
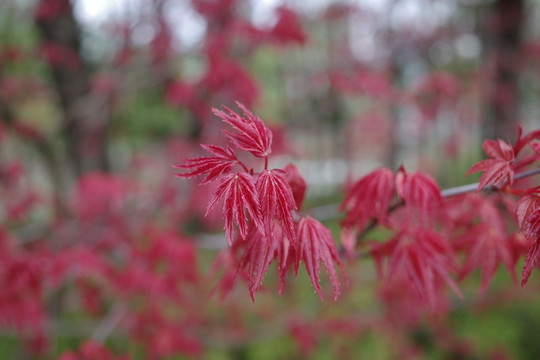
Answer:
(487, 248)
(421, 195)
(315, 244)
(481, 235)
(180, 93)
(486, 244)
(524, 208)
(405, 307)
(425, 258)
(99, 196)
(522, 141)
(252, 136)
(276, 199)
(288, 28)
(369, 198)
(297, 183)
(527, 213)
(226, 261)
(164, 337)
(497, 170)
(259, 254)
(239, 192)
(228, 78)
(222, 162)
(532, 232)
(536, 147)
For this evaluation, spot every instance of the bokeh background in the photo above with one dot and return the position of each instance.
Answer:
(104, 252)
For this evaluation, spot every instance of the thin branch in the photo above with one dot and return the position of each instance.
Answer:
(464, 189)
(458, 190)
(108, 324)
(331, 212)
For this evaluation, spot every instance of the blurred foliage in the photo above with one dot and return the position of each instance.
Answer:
(317, 117)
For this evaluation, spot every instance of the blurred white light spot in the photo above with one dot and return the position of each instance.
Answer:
(143, 34)
(468, 46)
(186, 23)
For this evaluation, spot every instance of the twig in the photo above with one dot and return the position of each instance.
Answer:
(460, 190)
(106, 326)
(331, 212)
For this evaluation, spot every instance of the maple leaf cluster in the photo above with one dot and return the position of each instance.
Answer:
(441, 237)
(261, 208)
(505, 164)
(438, 239)
(416, 251)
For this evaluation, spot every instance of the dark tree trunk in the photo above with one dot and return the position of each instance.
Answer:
(503, 38)
(85, 116)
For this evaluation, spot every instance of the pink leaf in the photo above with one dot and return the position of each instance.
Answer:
(487, 248)
(421, 195)
(222, 162)
(315, 244)
(276, 199)
(369, 198)
(530, 261)
(536, 147)
(532, 231)
(497, 170)
(252, 136)
(288, 28)
(426, 259)
(239, 192)
(297, 183)
(524, 208)
(485, 242)
(259, 254)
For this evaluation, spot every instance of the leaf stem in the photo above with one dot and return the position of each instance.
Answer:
(244, 166)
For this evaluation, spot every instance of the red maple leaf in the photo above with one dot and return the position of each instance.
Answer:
(524, 208)
(222, 162)
(368, 198)
(288, 28)
(425, 258)
(179, 93)
(239, 192)
(297, 183)
(259, 254)
(482, 238)
(276, 199)
(527, 213)
(532, 231)
(486, 248)
(226, 77)
(421, 195)
(99, 196)
(536, 147)
(315, 244)
(225, 263)
(252, 136)
(497, 170)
